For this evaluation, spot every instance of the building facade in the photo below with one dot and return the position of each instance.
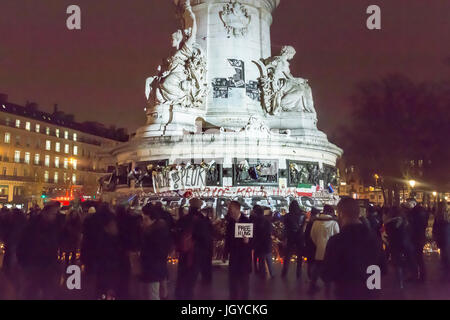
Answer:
(44, 156)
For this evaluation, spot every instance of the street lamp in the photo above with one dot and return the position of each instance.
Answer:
(412, 183)
(434, 193)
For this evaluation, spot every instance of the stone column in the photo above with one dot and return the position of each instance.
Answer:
(233, 35)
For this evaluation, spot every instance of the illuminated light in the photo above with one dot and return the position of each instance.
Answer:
(343, 183)
(412, 183)
(434, 193)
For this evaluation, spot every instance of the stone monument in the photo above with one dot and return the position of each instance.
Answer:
(225, 116)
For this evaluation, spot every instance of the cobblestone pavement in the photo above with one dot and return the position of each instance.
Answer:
(289, 288)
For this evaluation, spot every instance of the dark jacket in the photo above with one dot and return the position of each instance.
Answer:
(418, 221)
(240, 253)
(441, 233)
(293, 227)
(156, 244)
(38, 248)
(348, 255)
(262, 242)
(310, 247)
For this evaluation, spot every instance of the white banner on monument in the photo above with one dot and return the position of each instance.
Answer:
(179, 179)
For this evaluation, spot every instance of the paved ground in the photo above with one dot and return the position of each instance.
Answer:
(291, 289)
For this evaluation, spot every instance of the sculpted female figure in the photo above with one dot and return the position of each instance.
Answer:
(183, 81)
(281, 90)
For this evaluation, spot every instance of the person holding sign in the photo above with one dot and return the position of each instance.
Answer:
(238, 249)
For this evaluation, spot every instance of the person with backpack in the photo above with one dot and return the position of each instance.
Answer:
(293, 231)
(188, 247)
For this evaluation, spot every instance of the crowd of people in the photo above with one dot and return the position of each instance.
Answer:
(124, 254)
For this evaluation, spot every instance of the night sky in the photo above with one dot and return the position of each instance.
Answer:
(98, 73)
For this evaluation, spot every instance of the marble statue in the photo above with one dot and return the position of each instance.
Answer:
(183, 79)
(281, 91)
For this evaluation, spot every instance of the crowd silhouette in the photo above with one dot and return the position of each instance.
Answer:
(123, 253)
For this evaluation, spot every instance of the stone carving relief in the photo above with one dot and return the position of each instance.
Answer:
(280, 90)
(252, 171)
(303, 173)
(182, 80)
(257, 126)
(235, 18)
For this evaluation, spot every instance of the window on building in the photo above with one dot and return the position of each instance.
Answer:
(48, 145)
(27, 158)
(56, 162)
(27, 126)
(65, 177)
(74, 178)
(74, 164)
(58, 147)
(66, 134)
(46, 174)
(47, 130)
(57, 132)
(15, 172)
(17, 140)
(56, 177)
(7, 137)
(16, 156)
(4, 190)
(75, 150)
(66, 148)
(38, 127)
(25, 172)
(74, 137)
(4, 171)
(47, 160)
(36, 158)
(17, 123)
(66, 163)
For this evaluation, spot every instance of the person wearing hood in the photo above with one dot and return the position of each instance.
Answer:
(310, 247)
(399, 243)
(295, 238)
(324, 227)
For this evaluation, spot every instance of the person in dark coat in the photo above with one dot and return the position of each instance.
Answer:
(156, 242)
(206, 232)
(89, 248)
(109, 261)
(418, 221)
(310, 247)
(239, 253)
(399, 243)
(188, 246)
(262, 241)
(349, 254)
(441, 234)
(295, 240)
(38, 254)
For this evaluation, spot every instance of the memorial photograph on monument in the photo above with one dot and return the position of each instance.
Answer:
(224, 150)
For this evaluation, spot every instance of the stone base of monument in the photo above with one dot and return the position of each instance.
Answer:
(254, 163)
